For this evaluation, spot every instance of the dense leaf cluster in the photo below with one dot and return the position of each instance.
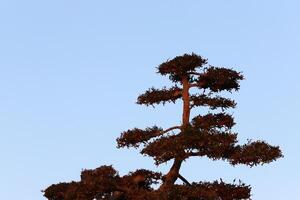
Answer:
(104, 183)
(211, 191)
(136, 136)
(181, 66)
(202, 139)
(219, 78)
(157, 96)
(191, 143)
(211, 121)
(212, 102)
(254, 153)
(98, 183)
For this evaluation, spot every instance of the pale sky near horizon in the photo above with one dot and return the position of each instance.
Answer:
(70, 72)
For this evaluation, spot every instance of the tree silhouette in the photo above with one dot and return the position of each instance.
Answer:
(204, 135)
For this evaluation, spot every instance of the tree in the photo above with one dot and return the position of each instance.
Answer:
(204, 135)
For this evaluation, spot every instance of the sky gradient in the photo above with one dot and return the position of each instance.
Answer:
(70, 72)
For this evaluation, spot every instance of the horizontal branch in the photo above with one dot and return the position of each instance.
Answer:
(212, 102)
(134, 137)
(212, 121)
(254, 153)
(195, 73)
(250, 154)
(193, 85)
(218, 79)
(157, 96)
(211, 143)
(170, 129)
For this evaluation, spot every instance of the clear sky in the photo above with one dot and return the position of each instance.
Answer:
(70, 72)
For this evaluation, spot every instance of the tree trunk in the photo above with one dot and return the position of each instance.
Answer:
(186, 103)
(173, 174)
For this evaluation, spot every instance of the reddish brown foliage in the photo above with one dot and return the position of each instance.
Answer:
(254, 153)
(133, 138)
(180, 66)
(205, 135)
(211, 121)
(105, 183)
(191, 143)
(218, 79)
(155, 96)
(212, 102)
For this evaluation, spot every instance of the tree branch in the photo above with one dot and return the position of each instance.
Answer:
(169, 129)
(195, 73)
(194, 154)
(193, 85)
(184, 180)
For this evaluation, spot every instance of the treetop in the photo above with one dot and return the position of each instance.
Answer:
(180, 66)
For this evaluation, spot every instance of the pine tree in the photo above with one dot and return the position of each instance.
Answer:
(204, 135)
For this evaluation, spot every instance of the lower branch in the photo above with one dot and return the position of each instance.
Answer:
(172, 175)
(184, 180)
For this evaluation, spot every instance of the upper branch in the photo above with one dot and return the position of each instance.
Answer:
(217, 79)
(212, 102)
(157, 96)
(134, 137)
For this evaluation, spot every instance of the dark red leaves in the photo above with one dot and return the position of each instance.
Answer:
(144, 178)
(211, 121)
(211, 191)
(165, 149)
(211, 143)
(156, 96)
(218, 79)
(94, 184)
(255, 153)
(180, 66)
(206, 135)
(134, 137)
(62, 191)
(100, 179)
(212, 102)
(193, 143)
(104, 183)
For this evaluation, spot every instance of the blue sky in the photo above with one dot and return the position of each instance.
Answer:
(70, 72)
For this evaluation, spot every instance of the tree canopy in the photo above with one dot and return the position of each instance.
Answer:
(207, 135)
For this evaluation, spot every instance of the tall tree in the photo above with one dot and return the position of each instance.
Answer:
(203, 135)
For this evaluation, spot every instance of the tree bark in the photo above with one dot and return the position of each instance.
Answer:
(173, 174)
(186, 103)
